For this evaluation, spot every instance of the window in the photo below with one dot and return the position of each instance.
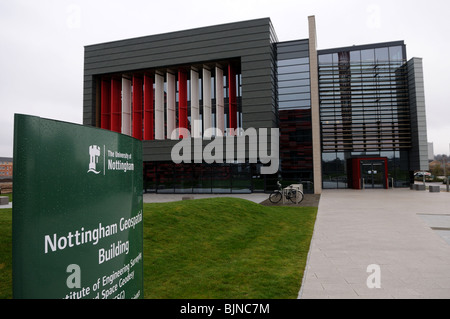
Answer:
(396, 53)
(368, 55)
(382, 54)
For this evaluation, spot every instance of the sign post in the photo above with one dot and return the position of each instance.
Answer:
(78, 212)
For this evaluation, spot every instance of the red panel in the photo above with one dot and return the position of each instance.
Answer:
(182, 100)
(116, 105)
(148, 108)
(232, 97)
(137, 107)
(105, 102)
(386, 173)
(356, 168)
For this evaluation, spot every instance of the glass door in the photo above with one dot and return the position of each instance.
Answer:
(373, 174)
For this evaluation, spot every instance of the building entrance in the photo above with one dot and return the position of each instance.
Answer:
(367, 172)
(373, 174)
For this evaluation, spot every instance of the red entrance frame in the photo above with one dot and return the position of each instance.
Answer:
(355, 176)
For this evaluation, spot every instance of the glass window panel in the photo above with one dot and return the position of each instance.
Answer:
(299, 89)
(326, 59)
(355, 56)
(293, 61)
(291, 97)
(293, 76)
(293, 83)
(289, 62)
(382, 54)
(221, 181)
(368, 55)
(294, 104)
(396, 53)
(293, 68)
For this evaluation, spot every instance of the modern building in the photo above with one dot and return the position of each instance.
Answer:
(351, 117)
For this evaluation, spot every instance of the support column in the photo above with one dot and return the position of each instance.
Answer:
(207, 116)
(137, 107)
(126, 106)
(220, 116)
(195, 106)
(148, 108)
(315, 115)
(116, 101)
(105, 120)
(232, 100)
(183, 121)
(171, 102)
(159, 107)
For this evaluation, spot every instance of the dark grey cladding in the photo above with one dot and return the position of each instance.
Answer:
(250, 41)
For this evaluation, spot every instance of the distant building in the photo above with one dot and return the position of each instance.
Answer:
(430, 151)
(6, 167)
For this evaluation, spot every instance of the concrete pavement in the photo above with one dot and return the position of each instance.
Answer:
(400, 234)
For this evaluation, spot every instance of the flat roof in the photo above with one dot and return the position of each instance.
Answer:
(362, 47)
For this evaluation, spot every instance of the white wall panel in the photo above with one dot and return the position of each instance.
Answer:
(171, 103)
(220, 117)
(207, 116)
(126, 106)
(159, 107)
(195, 108)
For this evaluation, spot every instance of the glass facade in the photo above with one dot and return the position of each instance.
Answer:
(294, 84)
(168, 177)
(364, 110)
(294, 113)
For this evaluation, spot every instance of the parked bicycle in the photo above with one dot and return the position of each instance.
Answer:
(290, 193)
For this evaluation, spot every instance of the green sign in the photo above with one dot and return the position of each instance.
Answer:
(77, 213)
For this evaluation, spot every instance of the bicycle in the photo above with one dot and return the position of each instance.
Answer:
(294, 195)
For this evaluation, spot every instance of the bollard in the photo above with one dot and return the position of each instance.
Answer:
(434, 189)
(419, 187)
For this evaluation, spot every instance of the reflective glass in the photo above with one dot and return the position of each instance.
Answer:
(293, 61)
(382, 54)
(293, 83)
(300, 89)
(368, 55)
(396, 53)
(293, 68)
(293, 76)
(294, 104)
(291, 97)
(326, 59)
(355, 56)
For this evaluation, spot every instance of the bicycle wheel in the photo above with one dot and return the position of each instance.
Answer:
(296, 196)
(300, 197)
(275, 197)
(292, 195)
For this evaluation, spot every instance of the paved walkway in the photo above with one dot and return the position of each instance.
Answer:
(401, 231)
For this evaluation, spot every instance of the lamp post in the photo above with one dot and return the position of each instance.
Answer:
(447, 178)
(444, 162)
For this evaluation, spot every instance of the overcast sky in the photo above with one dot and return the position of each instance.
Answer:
(42, 44)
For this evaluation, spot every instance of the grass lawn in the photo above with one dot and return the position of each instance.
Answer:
(212, 248)
(6, 253)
